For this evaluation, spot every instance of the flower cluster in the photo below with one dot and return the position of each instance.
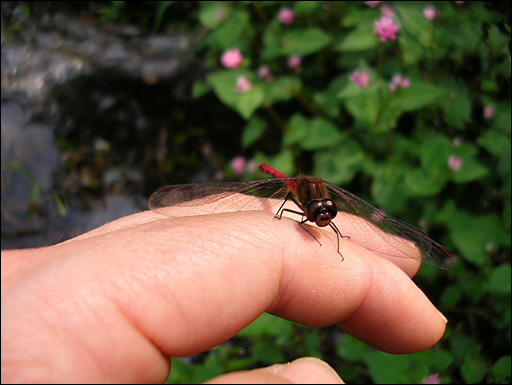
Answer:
(454, 163)
(386, 29)
(429, 13)
(397, 82)
(243, 84)
(231, 58)
(285, 15)
(360, 79)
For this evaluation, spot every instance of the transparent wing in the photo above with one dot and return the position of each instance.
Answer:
(368, 222)
(364, 224)
(184, 199)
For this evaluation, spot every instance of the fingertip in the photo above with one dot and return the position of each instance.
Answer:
(306, 370)
(309, 370)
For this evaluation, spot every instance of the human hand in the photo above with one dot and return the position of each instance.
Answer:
(113, 304)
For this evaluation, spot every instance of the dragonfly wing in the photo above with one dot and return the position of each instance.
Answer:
(364, 223)
(211, 198)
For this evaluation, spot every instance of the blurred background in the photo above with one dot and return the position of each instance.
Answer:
(405, 104)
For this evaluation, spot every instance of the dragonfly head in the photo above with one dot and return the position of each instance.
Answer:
(321, 212)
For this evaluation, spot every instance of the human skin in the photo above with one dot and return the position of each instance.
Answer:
(113, 305)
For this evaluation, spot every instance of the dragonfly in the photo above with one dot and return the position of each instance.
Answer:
(317, 201)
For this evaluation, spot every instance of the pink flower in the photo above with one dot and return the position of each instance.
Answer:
(399, 82)
(220, 15)
(488, 112)
(373, 4)
(386, 11)
(242, 84)
(263, 71)
(285, 15)
(386, 29)
(219, 175)
(231, 58)
(294, 61)
(238, 164)
(454, 163)
(429, 13)
(252, 166)
(360, 79)
(432, 379)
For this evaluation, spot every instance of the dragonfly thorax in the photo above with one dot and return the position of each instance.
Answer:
(321, 212)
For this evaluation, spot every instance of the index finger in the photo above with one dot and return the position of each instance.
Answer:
(229, 268)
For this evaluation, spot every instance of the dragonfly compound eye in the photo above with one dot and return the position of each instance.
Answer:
(321, 212)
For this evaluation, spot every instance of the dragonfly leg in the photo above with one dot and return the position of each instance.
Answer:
(301, 224)
(338, 235)
(279, 213)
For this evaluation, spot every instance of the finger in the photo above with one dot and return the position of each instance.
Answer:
(213, 269)
(408, 265)
(307, 370)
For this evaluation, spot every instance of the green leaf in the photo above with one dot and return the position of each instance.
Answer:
(199, 88)
(472, 234)
(421, 183)
(180, 372)
(502, 119)
(339, 164)
(301, 7)
(320, 134)
(311, 134)
(495, 142)
(463, 347)
(271, 42)
(417, 96)
(451, 296)
(413, 53)
(281, 90)
(252, 131)
(433, 152)
(457, 111)
(297, 130)
(327, 100)
(266, 352)
(360, 39)
(473, 370)
(210, 12)
(414, 24)
(499, 281)
(224, 85)
(249, 102)
(470, 170)
(210, 368)
(364, 109)
(351, 349)
(501, 370)
(383, 368)
(304, 42)
(387, 186)
(234, 31)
